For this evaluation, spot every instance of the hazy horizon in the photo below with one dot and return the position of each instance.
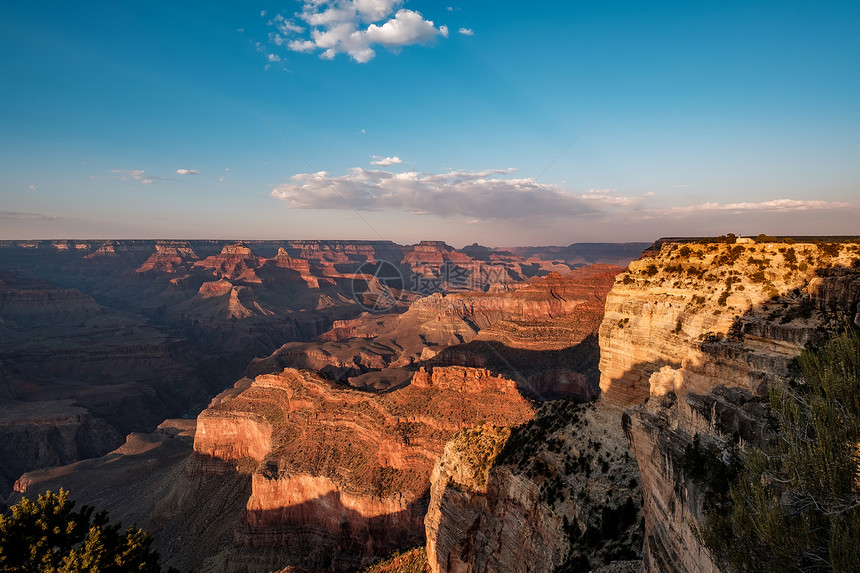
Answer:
(408, 121)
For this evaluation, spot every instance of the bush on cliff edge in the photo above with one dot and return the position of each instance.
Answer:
(795, 505)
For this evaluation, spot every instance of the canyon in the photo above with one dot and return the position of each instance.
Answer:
(540, 421)
(177, 321)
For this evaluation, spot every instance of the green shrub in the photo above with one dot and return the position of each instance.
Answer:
(795, 505)
(48, 535)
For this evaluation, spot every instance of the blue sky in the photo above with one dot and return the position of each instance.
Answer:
(496, 122)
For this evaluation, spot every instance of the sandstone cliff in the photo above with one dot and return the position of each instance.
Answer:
(693, 337)
(344, 474)
(560, 493)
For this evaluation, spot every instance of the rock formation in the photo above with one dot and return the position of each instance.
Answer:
(693, 337)
(76, 376)
(341, 473)
(543, 329)
(170, 257)
(558, 493)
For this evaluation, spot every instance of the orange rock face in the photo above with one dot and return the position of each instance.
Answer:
(234, 262)
(344, 470)
(465, 380)
(170, 257)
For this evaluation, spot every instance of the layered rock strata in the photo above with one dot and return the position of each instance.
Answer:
(341, 473)
(76, 376)
(154, 480)
(694, 336)
(543, 330)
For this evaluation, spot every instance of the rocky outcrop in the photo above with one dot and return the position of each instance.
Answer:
(558, 493)
(662, 309)
(342, 473)
(235, 262)
(170, 257)
(694, 336)
(234, 436)
(550, 323)
(464, 380)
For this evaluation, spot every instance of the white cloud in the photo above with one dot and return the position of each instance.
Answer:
(262, 13)
(466, 31)
(374, 10)
(353, 27)
(407, 27)
(137, 175)
(472, 194)
(773, 206)
(288, 26)
(273, 58)
(463, 197)
(385, 161)
(302, 46)
(187, 172)
(608, 197)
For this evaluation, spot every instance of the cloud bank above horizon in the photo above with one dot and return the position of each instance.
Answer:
(493, 194)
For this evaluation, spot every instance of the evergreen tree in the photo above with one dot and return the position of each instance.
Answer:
(795, 505)
(49, 536)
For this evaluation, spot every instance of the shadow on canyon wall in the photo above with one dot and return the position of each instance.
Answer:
(540, 374)
(325, 534)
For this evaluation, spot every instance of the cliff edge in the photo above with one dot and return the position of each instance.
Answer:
(692, 339)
